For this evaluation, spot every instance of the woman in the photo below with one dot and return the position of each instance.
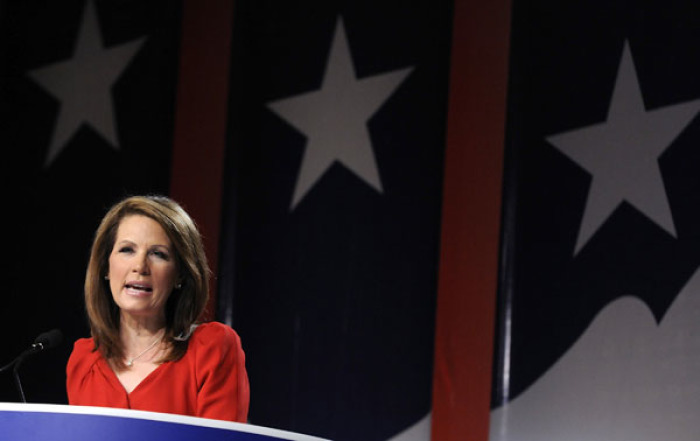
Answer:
(145, 288)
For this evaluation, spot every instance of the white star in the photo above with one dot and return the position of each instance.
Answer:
(83, 85)
(334, 119)
(622, 154)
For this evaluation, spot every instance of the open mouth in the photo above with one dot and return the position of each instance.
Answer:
(140, 288)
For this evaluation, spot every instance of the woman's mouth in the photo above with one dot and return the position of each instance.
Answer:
(138, 289)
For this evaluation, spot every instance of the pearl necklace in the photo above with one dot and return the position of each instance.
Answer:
(131, 361)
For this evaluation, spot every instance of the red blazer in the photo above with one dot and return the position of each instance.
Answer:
(210, 381)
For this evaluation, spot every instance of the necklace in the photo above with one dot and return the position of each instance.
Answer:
(131, 361)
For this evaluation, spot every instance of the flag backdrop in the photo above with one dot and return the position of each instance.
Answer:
(598, 312)
(333, 196)
(101, 99)
(344, 162)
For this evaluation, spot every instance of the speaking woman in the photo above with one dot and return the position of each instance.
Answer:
(146, 287)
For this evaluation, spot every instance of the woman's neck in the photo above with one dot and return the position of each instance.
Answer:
(142, 340)
(134, 331)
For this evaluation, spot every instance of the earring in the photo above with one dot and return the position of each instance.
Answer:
(106, 277)
(178, 286)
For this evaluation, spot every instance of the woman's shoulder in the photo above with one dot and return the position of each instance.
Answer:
(215, 339)
(84, 344)
(83, 356)
(211, 332)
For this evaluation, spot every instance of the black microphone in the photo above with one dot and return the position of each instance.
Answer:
(48, 340)
(45, 340)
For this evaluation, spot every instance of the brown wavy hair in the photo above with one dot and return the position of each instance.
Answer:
(184, 306)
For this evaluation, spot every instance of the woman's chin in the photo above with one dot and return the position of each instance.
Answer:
(140, 309)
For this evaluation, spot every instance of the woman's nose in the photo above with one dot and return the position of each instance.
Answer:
(141, 264)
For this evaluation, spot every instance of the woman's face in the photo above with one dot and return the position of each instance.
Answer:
(142, 267)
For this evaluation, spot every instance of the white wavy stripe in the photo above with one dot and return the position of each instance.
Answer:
(626, 378)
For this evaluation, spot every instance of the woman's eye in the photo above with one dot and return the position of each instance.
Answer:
(161, 255)
(126, 250)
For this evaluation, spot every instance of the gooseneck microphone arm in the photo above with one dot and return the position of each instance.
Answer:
(44, 341)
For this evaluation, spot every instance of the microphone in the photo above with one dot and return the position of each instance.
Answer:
(48, 340)
(45, 340)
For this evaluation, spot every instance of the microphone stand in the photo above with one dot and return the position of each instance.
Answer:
(43, 341)
(17, 362)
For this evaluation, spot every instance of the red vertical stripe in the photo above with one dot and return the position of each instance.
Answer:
(471, 221)
(201, 117)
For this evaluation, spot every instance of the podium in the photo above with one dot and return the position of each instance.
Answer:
(49, 422)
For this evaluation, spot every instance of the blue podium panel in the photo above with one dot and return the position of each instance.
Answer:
(46, 422)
